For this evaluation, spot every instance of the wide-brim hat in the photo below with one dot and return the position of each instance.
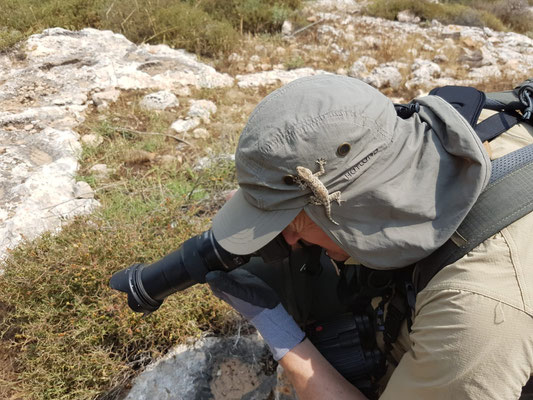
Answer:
(388, 191)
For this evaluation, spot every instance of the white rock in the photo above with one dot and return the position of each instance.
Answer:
(185, 125)
(372, 42)
(341, 71)
(408, 16)
(82, 190)
(234, 58)
(440, 58)
(384, 76)
(159, 100)
(200, 133)
(286, 28)
(226, 368)
(168, 159)
(92, 140)
(425, 69)
(280, 51)
(202, 109)
(208, 162)
(370, 62)
(481, 73)
(100, 170)
(37, 184)
(357, 70)
(105, 97)
(327, 33)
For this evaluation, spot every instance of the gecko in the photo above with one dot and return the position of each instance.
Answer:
(321, 196)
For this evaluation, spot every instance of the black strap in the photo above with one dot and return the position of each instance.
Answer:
(496, 124)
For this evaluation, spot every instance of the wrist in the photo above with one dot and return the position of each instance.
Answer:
(279, 330)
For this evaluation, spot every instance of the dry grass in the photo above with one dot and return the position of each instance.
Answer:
(64, 334)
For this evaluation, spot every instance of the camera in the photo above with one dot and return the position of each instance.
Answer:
(148, 285)
(347, 341)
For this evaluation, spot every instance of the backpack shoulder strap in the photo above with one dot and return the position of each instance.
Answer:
(468, 101)
(507, 198)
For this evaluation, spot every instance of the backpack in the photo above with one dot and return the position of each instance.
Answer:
(509, 194)
(507, 197)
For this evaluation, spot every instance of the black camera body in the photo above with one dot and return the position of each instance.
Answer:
(348, 342)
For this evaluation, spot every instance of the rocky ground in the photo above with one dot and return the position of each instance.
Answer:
(48, 84)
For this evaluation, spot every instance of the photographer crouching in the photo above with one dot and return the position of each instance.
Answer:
(338, 197)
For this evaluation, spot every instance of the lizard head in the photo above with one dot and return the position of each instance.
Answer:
(304, 173)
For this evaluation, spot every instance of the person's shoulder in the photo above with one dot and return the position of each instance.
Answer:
(513, 139)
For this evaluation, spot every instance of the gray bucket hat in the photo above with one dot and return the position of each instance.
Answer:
(405, 185)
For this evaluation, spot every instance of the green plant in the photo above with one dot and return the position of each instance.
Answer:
(8, 37)
(496, 14)
(207, 27)
(294, 63)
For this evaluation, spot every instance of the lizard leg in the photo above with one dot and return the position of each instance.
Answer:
(321, 162)
(335, 196)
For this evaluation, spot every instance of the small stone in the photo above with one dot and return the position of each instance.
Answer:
(280, 51)
(250, 67)
(286, 28)
(200, 133)
(202, 109)
(105, 97)
(357, 69)
(82, 190)
(183, 91)
(407, 16)
(92, 140)
(185, 125)
(371, 42)
(234, 57)
(440, 59)
(168, 159)
(341, 71)
(255, 58)
(159, 101)
(384, 76)
(100, 170)
(28, 127)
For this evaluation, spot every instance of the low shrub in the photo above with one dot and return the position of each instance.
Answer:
(177, 24)
(499, 15)
(515, 14)
(253, 16)
(207, 27)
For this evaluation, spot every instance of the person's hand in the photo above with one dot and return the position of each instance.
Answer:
(257, 302)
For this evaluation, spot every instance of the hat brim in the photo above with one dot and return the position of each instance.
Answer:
(241, 228)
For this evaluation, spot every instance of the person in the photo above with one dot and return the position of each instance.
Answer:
(326, 161)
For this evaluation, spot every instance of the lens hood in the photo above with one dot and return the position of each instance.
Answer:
(129, 281)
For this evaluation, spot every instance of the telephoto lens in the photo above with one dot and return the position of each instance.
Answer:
(148, 285)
